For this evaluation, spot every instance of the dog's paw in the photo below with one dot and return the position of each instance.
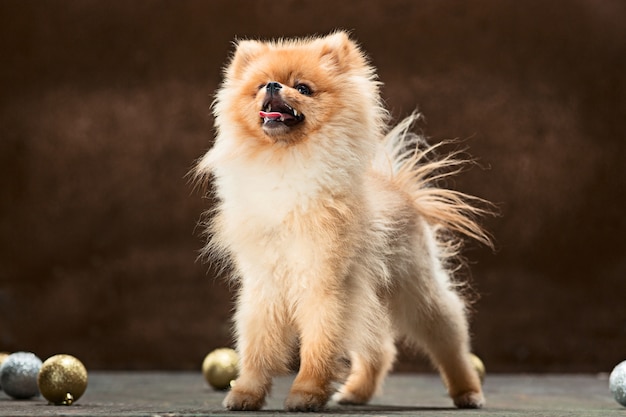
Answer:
(350, 398)
(238, 400)
(470, 399)
(305, 401)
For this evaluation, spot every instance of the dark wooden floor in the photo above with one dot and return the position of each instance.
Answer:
(186, 394)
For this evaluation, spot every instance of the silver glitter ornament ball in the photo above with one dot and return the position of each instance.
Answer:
(18, 375)
(617, 383)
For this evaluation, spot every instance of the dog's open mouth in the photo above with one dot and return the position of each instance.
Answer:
(276, 112)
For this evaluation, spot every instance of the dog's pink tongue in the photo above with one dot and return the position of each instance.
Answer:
(270, 115)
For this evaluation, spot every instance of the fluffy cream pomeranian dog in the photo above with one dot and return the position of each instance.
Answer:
(338, 239)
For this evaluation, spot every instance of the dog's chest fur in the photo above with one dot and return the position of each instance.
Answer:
(270, 211)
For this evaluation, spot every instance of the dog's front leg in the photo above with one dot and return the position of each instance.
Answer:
(265, 342)
(320, 320)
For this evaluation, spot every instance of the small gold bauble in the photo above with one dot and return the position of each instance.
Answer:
(478, 365)
(62, 379)
(220, 368)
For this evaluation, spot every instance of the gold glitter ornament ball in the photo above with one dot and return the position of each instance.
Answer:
(220, 368)
(479, 366)
(62, 379)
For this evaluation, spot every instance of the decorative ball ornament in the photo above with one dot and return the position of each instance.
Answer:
(18, 375)
(62, 379)
(617, 383)
(479, 366)
(220, 368)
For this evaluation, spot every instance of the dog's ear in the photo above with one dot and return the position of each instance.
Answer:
(338, 52)
(245, 52)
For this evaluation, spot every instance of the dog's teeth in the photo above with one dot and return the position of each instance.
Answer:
(295, 112)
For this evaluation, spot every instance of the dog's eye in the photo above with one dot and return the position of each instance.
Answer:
(303, 89)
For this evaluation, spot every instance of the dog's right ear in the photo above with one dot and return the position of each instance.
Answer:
(245, 52)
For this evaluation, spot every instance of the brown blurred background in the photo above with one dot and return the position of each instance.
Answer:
(104, 106)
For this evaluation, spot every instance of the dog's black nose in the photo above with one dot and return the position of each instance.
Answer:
(273, 87)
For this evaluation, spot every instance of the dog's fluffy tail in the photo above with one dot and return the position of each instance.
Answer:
(413, 166)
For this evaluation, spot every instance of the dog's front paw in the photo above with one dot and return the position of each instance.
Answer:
(470, 399)
(238, 400)
(306, 401)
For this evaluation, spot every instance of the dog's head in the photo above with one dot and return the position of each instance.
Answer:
(288, 91)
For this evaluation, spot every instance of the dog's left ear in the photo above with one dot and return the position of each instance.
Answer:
(340, 53)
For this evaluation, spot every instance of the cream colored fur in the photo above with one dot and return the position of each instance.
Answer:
(339, 245)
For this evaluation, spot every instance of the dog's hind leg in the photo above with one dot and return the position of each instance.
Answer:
(370, 342)
(367, 372)
(438, 325)
(431, 315)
